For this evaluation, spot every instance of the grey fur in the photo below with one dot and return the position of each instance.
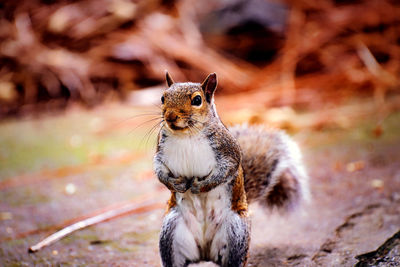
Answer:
(273, 170)
(224, 145)
(167, 239)
(233, 254)
(227, 154)
(238, 239)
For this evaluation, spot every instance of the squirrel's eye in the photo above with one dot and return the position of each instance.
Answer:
(196, 101)
(162, 100)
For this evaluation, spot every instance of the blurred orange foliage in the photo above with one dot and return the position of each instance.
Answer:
(296, 52)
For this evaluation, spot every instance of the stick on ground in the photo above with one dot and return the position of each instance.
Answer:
(126, 209)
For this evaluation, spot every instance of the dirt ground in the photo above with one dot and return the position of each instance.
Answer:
(57, 168)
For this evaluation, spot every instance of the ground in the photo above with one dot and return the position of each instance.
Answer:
(57, 168)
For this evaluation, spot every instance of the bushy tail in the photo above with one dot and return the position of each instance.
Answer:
(273, 169)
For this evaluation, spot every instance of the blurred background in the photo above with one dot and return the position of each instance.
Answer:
(80, 82)
(298, 53)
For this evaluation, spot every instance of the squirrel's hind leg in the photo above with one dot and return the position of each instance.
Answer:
(177, 245)
(230, 245)
(239, 239)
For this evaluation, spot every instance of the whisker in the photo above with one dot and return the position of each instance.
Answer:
(197, 130)
(192, 119)
(157, 106)
(118, 123)
(149, 133)
(152, 130)
(141, 124)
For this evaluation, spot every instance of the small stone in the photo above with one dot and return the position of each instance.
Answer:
(70, 189)
(377, 183)
(54, 252)
(355, 166)
(9, 230)
(73, 253)
(396, 196)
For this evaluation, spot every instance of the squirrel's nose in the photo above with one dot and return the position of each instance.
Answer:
(171, 117)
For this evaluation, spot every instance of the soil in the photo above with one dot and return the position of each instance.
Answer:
(64, 166)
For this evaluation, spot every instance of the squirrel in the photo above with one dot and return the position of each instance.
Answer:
(213, 173)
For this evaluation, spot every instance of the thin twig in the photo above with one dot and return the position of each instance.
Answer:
(125, 209)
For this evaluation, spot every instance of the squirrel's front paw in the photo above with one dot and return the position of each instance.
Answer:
(178, 184)
(199, 185)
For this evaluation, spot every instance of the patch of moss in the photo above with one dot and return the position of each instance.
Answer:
(31, 145)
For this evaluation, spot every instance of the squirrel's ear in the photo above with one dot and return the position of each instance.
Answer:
(169, 79)
(209, 85)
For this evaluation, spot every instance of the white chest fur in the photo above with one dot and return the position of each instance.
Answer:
(188, 156)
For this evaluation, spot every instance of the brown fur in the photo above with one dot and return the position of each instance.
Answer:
(272, 173)
(177, 104)
(171, 202)
(285, 191)
(239, 202)
(253, 163)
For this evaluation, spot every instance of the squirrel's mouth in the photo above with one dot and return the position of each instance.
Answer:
(176, 128)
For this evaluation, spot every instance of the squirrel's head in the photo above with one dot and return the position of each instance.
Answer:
(186, 107)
